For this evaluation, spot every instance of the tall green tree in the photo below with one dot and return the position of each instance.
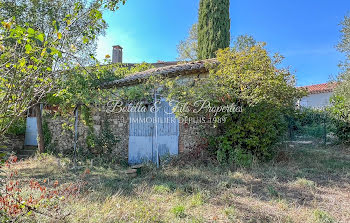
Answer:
(213, 27)
(39, 40)
(341, 97)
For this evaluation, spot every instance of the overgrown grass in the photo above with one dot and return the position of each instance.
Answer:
(312, 184)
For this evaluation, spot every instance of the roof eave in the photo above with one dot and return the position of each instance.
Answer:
(197, 67)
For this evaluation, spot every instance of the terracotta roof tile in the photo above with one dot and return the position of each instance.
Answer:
(196, 67)
(320, 88)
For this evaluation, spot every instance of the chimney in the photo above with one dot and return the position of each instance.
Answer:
(117, 56)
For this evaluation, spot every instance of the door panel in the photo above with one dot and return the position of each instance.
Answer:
(143, 139)
(31, 132)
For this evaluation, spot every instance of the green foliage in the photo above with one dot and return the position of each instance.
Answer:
(213, 27)
(322, 217)
(187, 49)
(80, 86)
(340, 111)
(310, 123)
(340, 100)
(101, 144)
(50, 147)
(248, 134)
(106, 140)
(273, 192)
(246, 78)
(179, 211)
(39, 42)
(231, 213)
(161, 189)
(18, 127)
(197, 199)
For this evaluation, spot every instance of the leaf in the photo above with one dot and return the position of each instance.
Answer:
(7, 25)
(59, 35)
(40, 37)
(31, 31)
(22, 62)
(85, 40)
(28, 48)
(56, 25)
(43, 52)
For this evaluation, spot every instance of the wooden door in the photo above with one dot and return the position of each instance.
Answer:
(147, 134)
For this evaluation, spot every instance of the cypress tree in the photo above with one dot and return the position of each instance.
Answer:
(213, 27)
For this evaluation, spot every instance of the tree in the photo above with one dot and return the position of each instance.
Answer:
(341, 97)
(187, 49)
(213, 27)
(248, 78)
(39, 40)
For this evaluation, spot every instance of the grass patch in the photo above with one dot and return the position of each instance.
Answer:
(179, 211)
(161, 189)
(320, 216)
(302, 182)
(268, 192)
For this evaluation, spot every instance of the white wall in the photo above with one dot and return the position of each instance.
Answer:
(320, 100)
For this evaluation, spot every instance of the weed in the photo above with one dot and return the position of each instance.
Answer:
(322, 217)
(199, 193)
(302, 182)
(161, 189)
(230, 213)
(179, 211)
(273, 192)
(197, 199)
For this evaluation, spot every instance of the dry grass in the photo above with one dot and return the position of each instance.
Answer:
(309, 183)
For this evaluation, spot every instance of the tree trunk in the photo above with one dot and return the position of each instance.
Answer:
(39, 124)
(76, 113)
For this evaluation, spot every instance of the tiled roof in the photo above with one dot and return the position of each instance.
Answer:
(320, 88)
(196, 67)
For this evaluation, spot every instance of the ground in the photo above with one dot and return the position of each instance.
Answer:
(304, 183)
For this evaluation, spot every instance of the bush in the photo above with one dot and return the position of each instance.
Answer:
(249, 80)
(249, 134)
(18, 127)
(311, 122)
(340, 113)
(340, 100)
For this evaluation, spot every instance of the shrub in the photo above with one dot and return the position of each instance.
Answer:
(249, 134)
(248, 80)
(340, 113)
(179, 211)
(311, 122)
(341, 98)
(18, 127)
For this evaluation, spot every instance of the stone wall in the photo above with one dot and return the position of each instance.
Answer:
(62, 138)
(191, 136)
(12, 143)
(194, 136)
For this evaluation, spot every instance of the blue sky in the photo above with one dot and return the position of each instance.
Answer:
(304, 31)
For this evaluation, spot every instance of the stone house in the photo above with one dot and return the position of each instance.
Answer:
(142, 135)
